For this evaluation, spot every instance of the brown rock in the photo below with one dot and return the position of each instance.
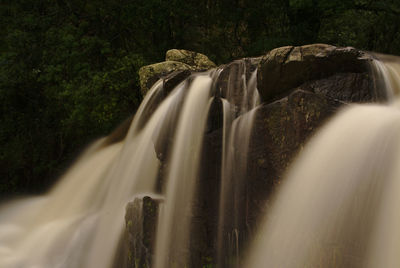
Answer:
(347, 87)
(285, 68)
(230, 82)
(141, 219)
(280, 130)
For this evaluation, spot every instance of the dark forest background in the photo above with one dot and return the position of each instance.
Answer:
(68, 68)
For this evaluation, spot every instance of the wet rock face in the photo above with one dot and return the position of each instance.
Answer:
(141, 220)
(230, 84)
(347, 87)
(173, 79)
(280, 131)
(301, 88)
(285, 68)
(204, 227)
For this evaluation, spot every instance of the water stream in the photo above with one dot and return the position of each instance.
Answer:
(338, 205)
(336, 208)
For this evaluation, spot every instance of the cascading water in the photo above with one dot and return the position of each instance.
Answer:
(236, 137)
(323, 207)
(172, 239)
(79, 222)
(338, 206)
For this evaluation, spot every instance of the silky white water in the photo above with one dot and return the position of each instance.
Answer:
(235, 138)
(172, 238)
(336, 208)
(339, 203)
(79, 222)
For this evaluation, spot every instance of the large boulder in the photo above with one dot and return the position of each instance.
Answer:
(178, 65)
(197, 60)
(149, 74)
(301, 88)
(288, 67)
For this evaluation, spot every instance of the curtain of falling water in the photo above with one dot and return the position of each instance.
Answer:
(58, 231)
(78, 223)
(338, 206)
(53, 232)
(240, 99)
(386, 72)
(136, 171)
(172, 238)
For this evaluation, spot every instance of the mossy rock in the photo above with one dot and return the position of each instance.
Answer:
(197, 60)
(177, 60)
(149, 74)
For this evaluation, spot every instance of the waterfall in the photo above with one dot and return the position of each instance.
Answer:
(335, 208)
(80, 221)
(338, 205)
(172, 239)
(236, 137)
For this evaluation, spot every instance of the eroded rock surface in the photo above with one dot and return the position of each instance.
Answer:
(285, 68)
(280, 131)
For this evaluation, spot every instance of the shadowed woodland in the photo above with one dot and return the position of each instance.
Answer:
(68, 69)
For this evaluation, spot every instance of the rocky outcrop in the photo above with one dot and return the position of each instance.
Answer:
(286, 68)
(194, 59)
(177, 66)
(149, 74)
(301, 88)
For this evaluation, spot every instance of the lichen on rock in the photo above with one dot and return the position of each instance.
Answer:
(149, 74)
(176, 60)
(197, 60)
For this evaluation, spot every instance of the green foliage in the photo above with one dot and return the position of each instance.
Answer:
(68, 68)
(62, 84)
